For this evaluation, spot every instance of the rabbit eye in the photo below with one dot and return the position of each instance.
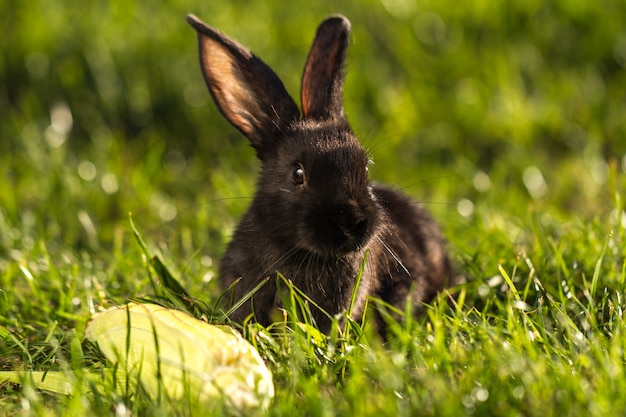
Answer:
(298, 175)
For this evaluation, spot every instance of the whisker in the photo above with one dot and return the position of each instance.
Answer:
(393, 255)
(285, 257)
(217, 200)
(422, 181)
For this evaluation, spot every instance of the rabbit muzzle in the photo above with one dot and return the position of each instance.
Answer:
(341, 229)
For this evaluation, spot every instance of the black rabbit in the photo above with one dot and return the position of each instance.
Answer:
(315, 215)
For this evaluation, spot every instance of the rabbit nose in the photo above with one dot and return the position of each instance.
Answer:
(352, 223)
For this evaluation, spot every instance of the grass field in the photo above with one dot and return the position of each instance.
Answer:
(505, 119)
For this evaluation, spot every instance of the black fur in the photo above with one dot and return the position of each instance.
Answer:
(315, 215)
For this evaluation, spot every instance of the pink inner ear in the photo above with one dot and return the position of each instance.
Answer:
(231, 93)
(306, 96)
(320, 85)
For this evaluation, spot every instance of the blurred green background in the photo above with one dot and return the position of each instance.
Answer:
(500, 106)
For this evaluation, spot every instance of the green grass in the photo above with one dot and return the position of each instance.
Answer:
(507, 121)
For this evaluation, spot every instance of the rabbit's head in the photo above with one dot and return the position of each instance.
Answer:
(318, 186)
(313, 191)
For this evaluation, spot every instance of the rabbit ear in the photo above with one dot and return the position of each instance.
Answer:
(248, 93)
(322, 81)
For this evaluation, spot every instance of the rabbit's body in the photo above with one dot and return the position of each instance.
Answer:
(398, 263)
(315, 215)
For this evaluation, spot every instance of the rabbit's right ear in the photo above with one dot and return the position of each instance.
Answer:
(248, 93)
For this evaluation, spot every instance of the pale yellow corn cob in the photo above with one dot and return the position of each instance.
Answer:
(186, 357)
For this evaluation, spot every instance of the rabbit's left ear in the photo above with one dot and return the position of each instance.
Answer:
(322, 81)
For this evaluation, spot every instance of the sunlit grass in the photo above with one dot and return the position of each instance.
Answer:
(507, 122)
(543, 335)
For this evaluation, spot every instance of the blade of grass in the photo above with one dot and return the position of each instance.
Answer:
(243, 299)
(168, 287)
(598, 267)
(358, 282)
